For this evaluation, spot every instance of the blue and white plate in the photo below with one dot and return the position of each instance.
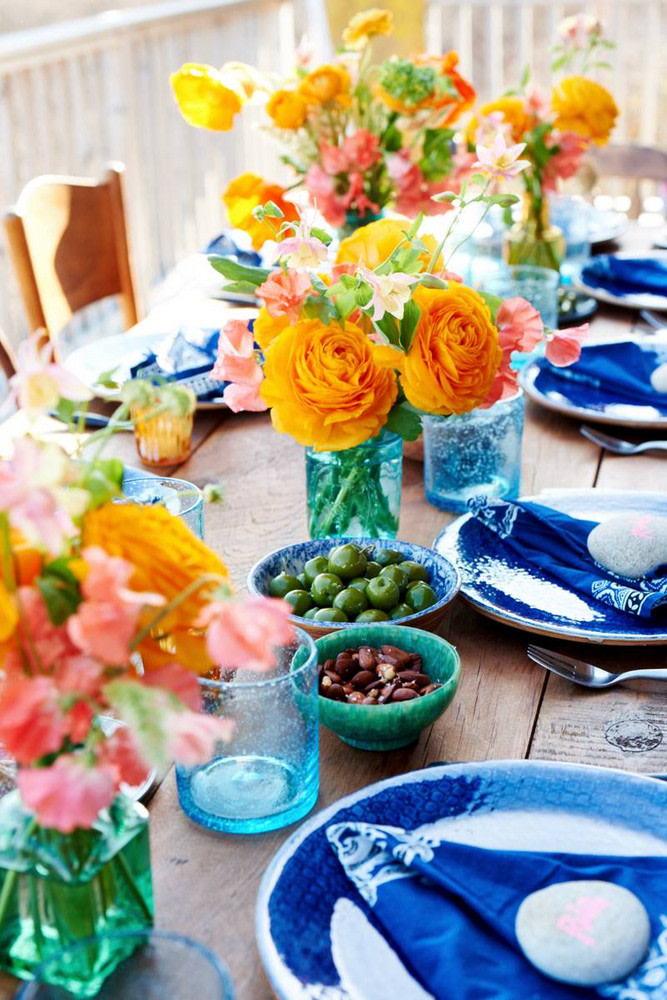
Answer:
(501, 586)
(592, 405)
(636, 300)
(512, 805)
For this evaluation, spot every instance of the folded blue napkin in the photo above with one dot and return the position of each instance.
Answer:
(626, 275)
(449, 910)
(621, 371)
(186, 357)
(224, 246)
(556, 543)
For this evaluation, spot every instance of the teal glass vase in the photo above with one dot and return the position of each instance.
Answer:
(355, 493)
(57, 889)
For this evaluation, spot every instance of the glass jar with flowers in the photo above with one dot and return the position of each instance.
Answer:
(359, 136)
(348, 357)
(102, 608)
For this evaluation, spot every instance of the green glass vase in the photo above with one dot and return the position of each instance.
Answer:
(57, 889)
(355, 492)
(354, 221)
(533, 239)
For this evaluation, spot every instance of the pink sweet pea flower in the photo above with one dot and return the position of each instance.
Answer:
(119, 755)
(334, 159)
(245, 633)
(244, 397)
(501, 160)
(284, 293)
(564, 346)
(362, 149)
(31, 721)
(44, 645)
(79, 674)
(235, 360)
(319, 183)
(181, 682)
(520, 326)
(192, 737)
(79, 720)
(39, 382)
(566, 162)
(108, 577)
(67, 795)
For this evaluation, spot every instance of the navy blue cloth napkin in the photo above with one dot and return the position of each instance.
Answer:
(224, 246)
(621, 371)
(449, 910)
(626, 275)
(185, 357)
(556, 544)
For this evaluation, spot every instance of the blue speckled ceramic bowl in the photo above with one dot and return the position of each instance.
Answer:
(444, 578)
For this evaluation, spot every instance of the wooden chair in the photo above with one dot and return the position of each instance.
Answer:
(634, 163)
(7, 357)
(69, 248)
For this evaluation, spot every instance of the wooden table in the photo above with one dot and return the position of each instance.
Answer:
(205, 884)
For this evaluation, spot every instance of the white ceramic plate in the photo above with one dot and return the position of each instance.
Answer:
(607, 226)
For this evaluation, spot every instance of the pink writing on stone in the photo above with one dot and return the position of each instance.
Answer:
(579, 917)
(642, 527)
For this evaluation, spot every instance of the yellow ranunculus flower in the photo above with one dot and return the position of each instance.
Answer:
(513, 110)
(287, 108)
(206, 98)
(373, 243)
(325, 84)
(584, 107)
(244, 194)
(325, 386)
(267, 327)
(8, 614)
(365, 25)
(455, 353)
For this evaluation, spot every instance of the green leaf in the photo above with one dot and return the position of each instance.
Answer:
(65, 410)
(272, 210)
(107, 380)
(404, 420)
(431, 281)
(494, 303)
(504, 200)
(103, 479)
(436, 161)
(322, 235)
(525, 78)
(392, 139)
(389, 326)
(234, 271)
(60, 590)
(558, 63)
(409, 322)
(241, 288)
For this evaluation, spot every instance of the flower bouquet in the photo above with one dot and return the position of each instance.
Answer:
(554, 134)
(348, 357)
(107, 609)
(360, 136)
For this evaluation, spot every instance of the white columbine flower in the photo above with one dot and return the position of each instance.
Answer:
(390, 292)
(501, 160)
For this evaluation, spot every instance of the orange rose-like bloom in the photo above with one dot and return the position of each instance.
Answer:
(585, 108)
(455, 353)
(325, 84)
(267, 327)
(325, 387)
(205, 97)
(453, 105)
(372, 244)
(287, 109)
(244, 194)
(513, 110)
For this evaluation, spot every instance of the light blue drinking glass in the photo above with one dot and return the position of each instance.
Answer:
(181, 498)
(268, 774)
(572, 214)
(539, 285)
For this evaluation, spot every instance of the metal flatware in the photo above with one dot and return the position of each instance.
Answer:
(587, 674)
(91, 421)
(619, 447)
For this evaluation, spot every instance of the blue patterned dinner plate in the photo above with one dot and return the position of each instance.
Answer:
(500, 585)
(628, 300)
(511, 805)
(594, 405)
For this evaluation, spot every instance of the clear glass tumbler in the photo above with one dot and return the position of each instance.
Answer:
(181, 498)
(572, 214)
(267, 776)
(537, 284)
(477, 454)
(158, 964)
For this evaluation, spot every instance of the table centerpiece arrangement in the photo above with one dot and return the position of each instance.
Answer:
(107, 608)
(360, 136)
(349, 356)
(556, 132)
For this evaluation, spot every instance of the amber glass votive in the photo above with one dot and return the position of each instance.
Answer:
(164, 439)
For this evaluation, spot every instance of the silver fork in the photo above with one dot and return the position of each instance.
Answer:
(585, 673)
(618, 446)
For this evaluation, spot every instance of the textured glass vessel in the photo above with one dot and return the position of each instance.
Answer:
(164, 439)
(533, 239)
(181, 498)
(539, 285)
(354, 221)
(478, 454)
(57, 889)
(355, 492)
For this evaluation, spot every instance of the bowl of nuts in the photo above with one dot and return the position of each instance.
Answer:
(381, 684)
(334, 583)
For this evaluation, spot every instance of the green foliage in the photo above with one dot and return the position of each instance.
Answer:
(406, 82)
(60, 590)
(142, 708)
(494, 303)
(436, 161)
(65, 410)
(405, 421)
(234, 271)
(102, 479)
(322, 235)
(409, 322)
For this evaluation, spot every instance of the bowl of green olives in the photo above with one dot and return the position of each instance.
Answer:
(333, 584)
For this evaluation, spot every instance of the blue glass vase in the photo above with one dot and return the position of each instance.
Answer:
(477, 454)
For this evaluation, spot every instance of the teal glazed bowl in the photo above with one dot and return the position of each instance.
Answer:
(388, 727)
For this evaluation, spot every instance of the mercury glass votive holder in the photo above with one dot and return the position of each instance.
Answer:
(163, 439)
(477, 454)
(267, 775)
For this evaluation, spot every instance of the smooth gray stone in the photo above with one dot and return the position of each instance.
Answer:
(630, 544)
(659, 378)
(583, 933)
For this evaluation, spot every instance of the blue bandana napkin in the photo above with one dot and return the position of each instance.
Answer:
(449, 909)
(185, 357)
(556, 543)
(621, 371)
(224, 246)
(626, 275)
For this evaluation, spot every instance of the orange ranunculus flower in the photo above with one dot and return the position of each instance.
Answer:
(455, 353)
(267, 327)
(373, 243)
(245, 193)
(8, 615)
(206, 98)
(451, 93)
(287, 109)
(585, 108)
(513, 110)
(325, 386)
(325, 84)
(366, 25)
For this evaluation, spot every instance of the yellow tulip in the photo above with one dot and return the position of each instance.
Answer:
(205, 97)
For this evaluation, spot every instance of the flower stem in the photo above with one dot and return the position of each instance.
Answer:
(165, 611)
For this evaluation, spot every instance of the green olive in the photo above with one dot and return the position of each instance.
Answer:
(302, 580)
(400, 611)
(330, 615)
(386, 557)
(372, 615)
(372, 569)
(324, 588)
(311, 612)
(419, 596)
(351, 601)
(359, 583)
(398, 575)
(282, 584)
(383, 593)
(414, 570)
(314, 567)
(300, 600)
(347, 561)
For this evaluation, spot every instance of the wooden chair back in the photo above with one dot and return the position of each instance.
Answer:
(633, 163)
(8, 362)
(69, 248)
